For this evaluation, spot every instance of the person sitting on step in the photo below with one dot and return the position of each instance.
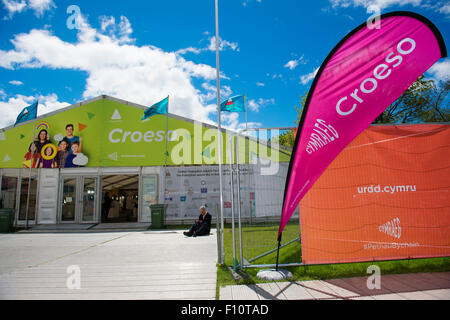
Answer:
(202, 227)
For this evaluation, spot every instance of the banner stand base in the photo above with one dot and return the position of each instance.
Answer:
(274, 275)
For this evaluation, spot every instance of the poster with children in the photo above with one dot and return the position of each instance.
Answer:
(59, 151)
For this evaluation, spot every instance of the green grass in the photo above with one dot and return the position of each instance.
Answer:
(256, 241)
(259, 239)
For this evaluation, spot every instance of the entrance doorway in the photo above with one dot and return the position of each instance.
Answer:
(79, 199)
(120, 198)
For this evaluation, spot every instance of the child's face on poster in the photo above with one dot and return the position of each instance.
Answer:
(63, 146)
(48, 151)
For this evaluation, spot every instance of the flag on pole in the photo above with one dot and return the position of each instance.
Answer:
(234, 104)
(161, 107)
(28, 113)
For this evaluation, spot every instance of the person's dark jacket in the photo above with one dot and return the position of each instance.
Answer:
(204, 224)
(39, 145)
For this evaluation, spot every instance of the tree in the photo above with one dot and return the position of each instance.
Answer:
(422, 102)
(288, 138)
(300, 108)
(439, 104)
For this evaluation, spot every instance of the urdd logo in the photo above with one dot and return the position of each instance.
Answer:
(392, 228)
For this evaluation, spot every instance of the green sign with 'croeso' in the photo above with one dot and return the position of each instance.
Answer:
(106, 133)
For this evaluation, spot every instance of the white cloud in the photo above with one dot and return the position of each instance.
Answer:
(11, 107)
(40, 6)
(255, 105)
(444, 9)
(210, 95)
(230, 121)
(260, 84)
(120, 32)
(13, 6)
(440, 70)
(382, 4)
(16, 83)
(18, 6)
(142, 74)
(224, 44)
(292, 64)
(305, 79)
(191, 50)
(437, 6)
(105, 22)
(50, 103)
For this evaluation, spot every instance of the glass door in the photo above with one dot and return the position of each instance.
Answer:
(69, 199)
(89, 201)
(79, 199)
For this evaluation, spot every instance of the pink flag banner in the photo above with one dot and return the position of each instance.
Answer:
(365, 73)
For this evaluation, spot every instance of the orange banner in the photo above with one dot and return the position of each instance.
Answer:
(386, 196)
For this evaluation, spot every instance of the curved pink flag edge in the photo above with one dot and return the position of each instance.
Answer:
(416, 16)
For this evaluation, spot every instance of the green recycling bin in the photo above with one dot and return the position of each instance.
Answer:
(6, 220)
(158, 215)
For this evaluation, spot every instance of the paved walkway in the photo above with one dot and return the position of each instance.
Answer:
(416, 286)
(112, 265)
(164, 265)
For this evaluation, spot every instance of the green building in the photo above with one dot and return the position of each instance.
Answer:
(99, 162)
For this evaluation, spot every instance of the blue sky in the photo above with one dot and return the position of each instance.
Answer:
(142, 51)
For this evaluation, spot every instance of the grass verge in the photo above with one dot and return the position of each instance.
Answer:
(292, 253)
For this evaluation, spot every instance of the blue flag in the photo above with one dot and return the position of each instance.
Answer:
(234, 104)
(28, 113)
(161, 107)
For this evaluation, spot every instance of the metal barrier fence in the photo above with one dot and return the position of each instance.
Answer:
(254, 227)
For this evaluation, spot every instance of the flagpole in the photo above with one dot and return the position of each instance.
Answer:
(278, 250)
(167, 128)
(30, 172)
(246, 123)
(221, 248)
(246, 130)
(165, 154)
